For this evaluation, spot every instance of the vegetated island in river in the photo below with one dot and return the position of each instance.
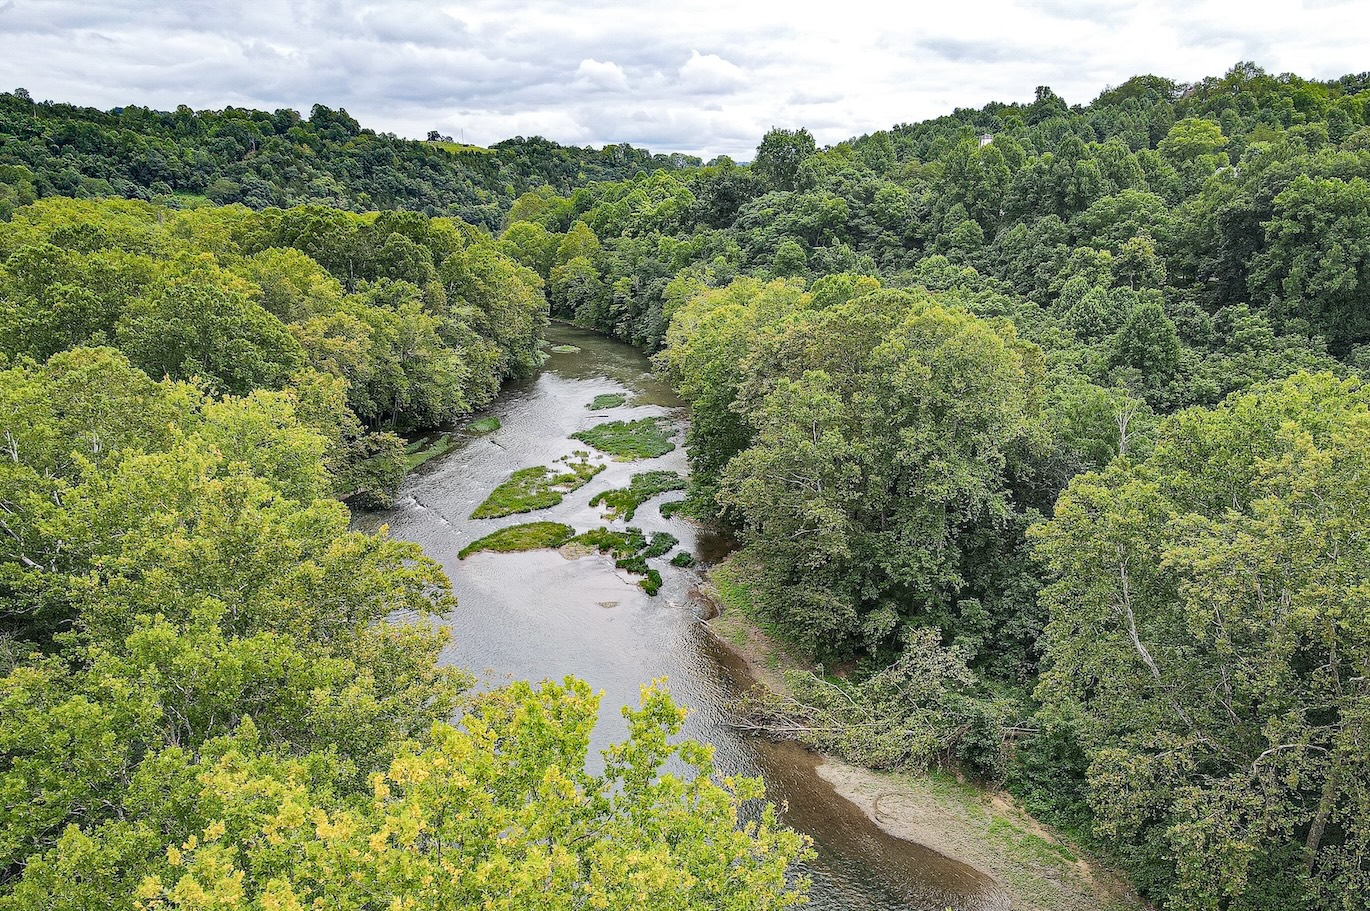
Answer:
(628, 441)
(630, 548)
(538, 487)
(1038, 868)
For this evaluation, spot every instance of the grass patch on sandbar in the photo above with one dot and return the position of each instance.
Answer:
(533, 488)
(420, 451)
(608, 400)
(629, 440)
(623, 502)
(483, 426)
(631, 548)
(516, 538)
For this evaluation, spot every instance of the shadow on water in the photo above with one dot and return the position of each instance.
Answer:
(541, 615)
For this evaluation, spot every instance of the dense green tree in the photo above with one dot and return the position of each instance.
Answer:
(576, 290)
(1205, 626)
(230, 297)
(500, 810)
(780, 157)
(1148, 344)
(532, 245)
(208, 699)
(710, 336)
(847, 415)
(293, 286)
(502, 301)
(189, 327)
(1315, 269)
(412, 377)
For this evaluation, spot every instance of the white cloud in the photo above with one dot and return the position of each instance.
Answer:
(710, 74)
(607, 75)
(701, 76)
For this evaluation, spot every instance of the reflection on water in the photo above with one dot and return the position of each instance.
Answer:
(540, 615)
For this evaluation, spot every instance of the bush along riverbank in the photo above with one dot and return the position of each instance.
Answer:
(1039, 868)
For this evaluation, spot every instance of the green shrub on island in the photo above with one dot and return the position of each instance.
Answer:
(661, 544)
(535, 488)
(634, 564)
(629, 440)
(619, 543)
(671, 507)
(684, 558)
(631, 550)
(623, 502)
(608, 400)
(516, 538)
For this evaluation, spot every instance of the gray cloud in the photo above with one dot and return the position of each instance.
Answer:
(702, 76)
(973, 51)
(810, 98)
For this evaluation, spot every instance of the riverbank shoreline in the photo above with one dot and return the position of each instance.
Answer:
(1037, 868)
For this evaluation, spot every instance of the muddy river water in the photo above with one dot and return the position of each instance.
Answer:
(541, 615)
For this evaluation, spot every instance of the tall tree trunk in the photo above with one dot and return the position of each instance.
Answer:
(1333, 781)
(1329, 796)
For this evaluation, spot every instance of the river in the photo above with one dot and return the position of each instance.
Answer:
(540, 615)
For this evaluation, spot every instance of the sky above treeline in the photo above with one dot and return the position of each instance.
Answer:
(706, 77)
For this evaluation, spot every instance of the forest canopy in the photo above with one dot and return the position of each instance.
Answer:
(1044, 423)
(282, 158)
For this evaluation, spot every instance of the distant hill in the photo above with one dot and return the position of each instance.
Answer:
(283, 159)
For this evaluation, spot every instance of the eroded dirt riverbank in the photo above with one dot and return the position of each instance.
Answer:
(1009, 860)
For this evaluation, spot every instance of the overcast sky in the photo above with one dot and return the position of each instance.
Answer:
(701, 76)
